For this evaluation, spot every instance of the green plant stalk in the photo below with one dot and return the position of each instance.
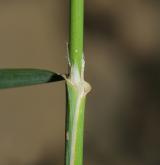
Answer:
(76, 33)
(77, 87)
(75, 124)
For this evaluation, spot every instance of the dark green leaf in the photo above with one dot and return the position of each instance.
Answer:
(10, 78)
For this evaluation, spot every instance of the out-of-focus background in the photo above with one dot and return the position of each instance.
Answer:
(122, 64)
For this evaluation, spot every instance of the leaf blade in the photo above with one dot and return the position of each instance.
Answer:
(10, 78)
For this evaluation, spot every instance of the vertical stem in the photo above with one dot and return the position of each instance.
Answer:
(77, 88)
(75, 123)
(76, 33)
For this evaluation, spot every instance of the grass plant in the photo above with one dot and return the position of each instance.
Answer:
(76, 87)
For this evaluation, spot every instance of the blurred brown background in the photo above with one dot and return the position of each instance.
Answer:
(122, 64)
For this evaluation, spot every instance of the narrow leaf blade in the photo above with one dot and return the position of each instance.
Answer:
(10, 78)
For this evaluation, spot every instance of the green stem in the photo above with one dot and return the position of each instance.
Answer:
(77, 87)
(75, 122)
(76, 33)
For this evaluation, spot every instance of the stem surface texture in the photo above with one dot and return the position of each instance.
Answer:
(76, 87)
